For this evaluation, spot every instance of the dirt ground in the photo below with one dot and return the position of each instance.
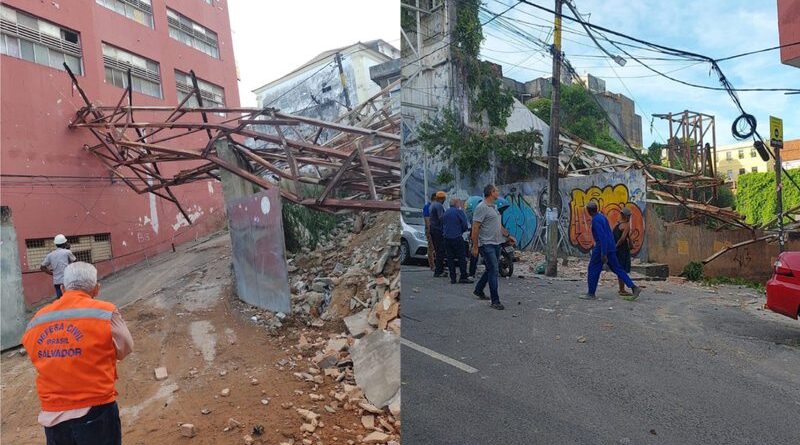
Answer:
(183, 316)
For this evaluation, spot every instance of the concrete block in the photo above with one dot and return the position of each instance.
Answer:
(376, 365)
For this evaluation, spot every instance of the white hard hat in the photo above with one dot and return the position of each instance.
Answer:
(60, 239)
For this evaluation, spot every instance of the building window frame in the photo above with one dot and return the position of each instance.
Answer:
(145, 73)
(193, 34)
(742, 171)
(728, 156)
(754, 169)
(28, 37)
(213, 95)
(741, 153)
(140, 11)
(753, 152)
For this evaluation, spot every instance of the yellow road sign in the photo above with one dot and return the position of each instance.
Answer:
(775, 132)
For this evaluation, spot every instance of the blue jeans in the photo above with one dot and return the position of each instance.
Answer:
(100, 426)
(491, 259)
(596, 266)
(456, 254)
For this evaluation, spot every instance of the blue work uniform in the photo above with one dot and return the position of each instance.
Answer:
(604, 244)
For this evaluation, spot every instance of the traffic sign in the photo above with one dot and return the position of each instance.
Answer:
(775, 132)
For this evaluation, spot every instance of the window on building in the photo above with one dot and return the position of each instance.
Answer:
(730, 175)
(753, 152)
(137, 10)
(27, 37)
(754, 169)
(741, 154)
(199, 37)
(213, 95)
(729, 155)
(742, 171)
(145, 73)
(88, 248)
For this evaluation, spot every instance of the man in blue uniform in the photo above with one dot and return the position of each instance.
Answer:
(604, 251)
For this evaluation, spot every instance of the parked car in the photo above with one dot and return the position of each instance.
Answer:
(783, 289)
(413, 244)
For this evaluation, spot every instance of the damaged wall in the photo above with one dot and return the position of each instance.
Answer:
(258, 252)
(13, 317)
(678, 244)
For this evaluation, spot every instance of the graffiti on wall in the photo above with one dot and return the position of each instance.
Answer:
(519, 219)
(611, 199)
(525, 216)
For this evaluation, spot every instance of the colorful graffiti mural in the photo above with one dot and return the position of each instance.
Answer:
(611, 200)
(519, 219)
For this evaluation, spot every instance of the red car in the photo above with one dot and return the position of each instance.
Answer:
(783, 289)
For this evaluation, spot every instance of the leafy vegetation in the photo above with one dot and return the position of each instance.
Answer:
(579, 115)
(470, 151)
(756, 197)
(304, 227)
(735, 281)
(693, 271)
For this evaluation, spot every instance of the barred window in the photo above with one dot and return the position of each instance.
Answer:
(213, 95)
(140, 11)
(26, 37)
(87, 248)
(741, 154)
(728, 155)
(754, 169)
(197, 36)
(145, 73)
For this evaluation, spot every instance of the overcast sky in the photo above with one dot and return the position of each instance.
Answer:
(716, 28)
(272, 38)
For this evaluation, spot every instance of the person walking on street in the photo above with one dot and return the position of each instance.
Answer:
(454, 226)
(426, 215)
(604, 251)
(623, 242)
(74, 344)
(56, 261)
(437, 234)
(487, 236)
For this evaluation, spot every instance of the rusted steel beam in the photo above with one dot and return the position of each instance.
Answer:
(337, 176)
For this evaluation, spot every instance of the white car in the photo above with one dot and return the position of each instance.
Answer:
(413, 244)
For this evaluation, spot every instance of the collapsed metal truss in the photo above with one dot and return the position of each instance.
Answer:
(688, 145)
(350, 164)
(578, 158)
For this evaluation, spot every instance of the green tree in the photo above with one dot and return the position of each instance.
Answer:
(580, 115)
(654, 152)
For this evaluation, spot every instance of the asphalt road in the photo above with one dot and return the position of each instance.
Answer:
(692, 366)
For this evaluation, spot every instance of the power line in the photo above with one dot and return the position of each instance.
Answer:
(757, 51)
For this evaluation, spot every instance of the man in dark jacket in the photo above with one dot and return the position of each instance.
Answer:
(454, 226)
(604, 251)
(437, 234)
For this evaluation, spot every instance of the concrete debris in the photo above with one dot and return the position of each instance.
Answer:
(248, 440)
(160, 373)
(225, 392)
(368, 422)
(376, 365)
(188, 430)
(357, 324)
(376, 437)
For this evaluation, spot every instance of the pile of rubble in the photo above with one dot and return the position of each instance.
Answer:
(351, 280)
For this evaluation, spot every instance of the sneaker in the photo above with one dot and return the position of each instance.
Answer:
(624, 293)
(498, 306)
(480, 295)
(636, 292)
(466, 281)
(588, 297)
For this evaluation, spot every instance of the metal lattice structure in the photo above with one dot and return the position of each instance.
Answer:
(350, 164)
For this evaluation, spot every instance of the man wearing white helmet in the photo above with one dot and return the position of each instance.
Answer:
(56, 261)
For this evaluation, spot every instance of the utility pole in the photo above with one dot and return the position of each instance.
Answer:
(553, 197)
(343, 79)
